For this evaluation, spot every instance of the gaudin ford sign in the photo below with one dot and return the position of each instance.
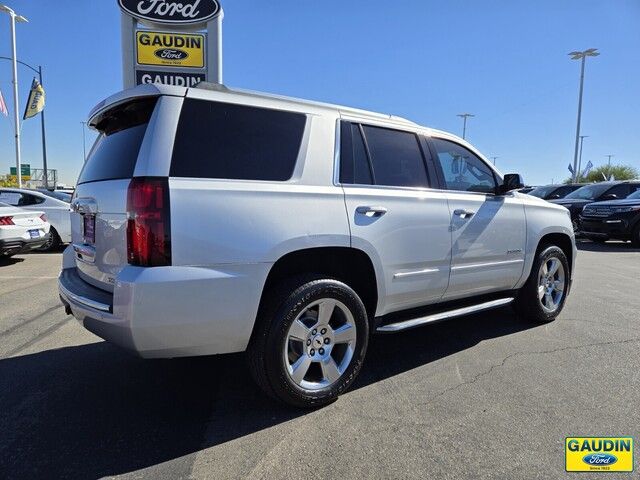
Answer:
(183, 12)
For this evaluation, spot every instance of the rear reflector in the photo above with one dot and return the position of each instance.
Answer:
(6, 221)
(148, 227)
(43, 217)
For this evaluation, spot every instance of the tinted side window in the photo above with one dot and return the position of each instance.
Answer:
(10, 198)
(220, 140)
(620, 191)
(396, 157)
(354, 163)
(463, 170)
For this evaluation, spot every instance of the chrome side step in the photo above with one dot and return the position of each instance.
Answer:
(458, 312)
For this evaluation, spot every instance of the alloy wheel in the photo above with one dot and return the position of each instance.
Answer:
(551, 284)
(320, 344)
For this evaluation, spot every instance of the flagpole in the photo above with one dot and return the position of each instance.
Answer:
(44, 141)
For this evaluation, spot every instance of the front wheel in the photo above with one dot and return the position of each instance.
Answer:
(310, 341)
(542, 297)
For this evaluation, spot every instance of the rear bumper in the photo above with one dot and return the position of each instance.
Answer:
(12, 246)
(173, 311)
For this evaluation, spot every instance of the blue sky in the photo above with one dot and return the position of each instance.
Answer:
(504, 61)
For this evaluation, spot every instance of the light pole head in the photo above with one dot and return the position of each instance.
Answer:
(21, 19)
(590, 52)
(4, 8)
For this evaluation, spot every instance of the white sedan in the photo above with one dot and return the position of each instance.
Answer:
(55, 205)
(21, 230)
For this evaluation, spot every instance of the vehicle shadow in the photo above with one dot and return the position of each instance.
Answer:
(92, 410)
(608, 247)
(10, 260)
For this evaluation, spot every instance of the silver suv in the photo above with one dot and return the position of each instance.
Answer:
(209, 221)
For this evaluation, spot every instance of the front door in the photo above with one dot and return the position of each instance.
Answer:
(488, 231)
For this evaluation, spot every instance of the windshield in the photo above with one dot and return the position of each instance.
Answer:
(542, 192)
(589, 192)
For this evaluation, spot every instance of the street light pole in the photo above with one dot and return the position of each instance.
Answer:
(494, 160)
(591, 52)
(582, 137)
(44, 140)
(16, 115)
(464, 122)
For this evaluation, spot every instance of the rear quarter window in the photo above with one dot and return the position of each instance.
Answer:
(221, 140)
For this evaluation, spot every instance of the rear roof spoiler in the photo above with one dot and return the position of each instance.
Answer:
(147, 90)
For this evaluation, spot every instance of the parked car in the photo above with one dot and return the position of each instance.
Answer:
(554, 192)
(21, 230)
(208, 220)
(595, 192)
(615, 219)
(55, 205)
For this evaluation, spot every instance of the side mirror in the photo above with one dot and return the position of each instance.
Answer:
(555, 196)
(511, 181)
(609, 196)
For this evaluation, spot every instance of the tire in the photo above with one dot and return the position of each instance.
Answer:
(635, 236)
(308, 364)
(529, 303)
(52, 243)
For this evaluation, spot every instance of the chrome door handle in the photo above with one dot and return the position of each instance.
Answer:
(461, 212)
(371, 211)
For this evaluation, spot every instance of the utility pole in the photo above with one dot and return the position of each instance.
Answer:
(464, 117)
(84, 142)
(591, 52)
(609, 161)
(494, 160)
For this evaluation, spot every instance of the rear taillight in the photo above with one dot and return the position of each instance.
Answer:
(148, 227)
(43, 217)
(6, 221)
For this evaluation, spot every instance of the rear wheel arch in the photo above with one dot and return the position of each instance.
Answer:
(349, 265)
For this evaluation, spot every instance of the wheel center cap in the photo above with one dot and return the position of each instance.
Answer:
(317, 341)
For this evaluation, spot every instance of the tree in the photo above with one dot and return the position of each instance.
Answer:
(604, 172)
(8, 181)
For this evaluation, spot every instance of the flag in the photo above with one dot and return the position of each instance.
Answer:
(587, 169)
(3, 106)
(35, 103)
(570, 169)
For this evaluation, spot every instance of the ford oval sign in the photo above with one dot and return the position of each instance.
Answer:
(599, 459)
(171, 54)
(174, 12)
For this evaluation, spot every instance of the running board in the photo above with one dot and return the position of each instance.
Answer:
(458, 312)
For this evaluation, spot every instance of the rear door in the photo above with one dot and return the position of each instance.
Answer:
(99, 206)
(394, 215)
(488, 231)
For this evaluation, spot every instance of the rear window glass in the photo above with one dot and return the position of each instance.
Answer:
(115, 151)
(220, 140)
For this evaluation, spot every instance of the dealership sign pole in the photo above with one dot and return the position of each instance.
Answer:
(172, 42)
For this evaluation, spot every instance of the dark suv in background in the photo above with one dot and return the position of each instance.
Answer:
(553, 192)
(616, 219)
(596, 192)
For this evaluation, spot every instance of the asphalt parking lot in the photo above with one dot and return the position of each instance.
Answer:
(485, 396)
